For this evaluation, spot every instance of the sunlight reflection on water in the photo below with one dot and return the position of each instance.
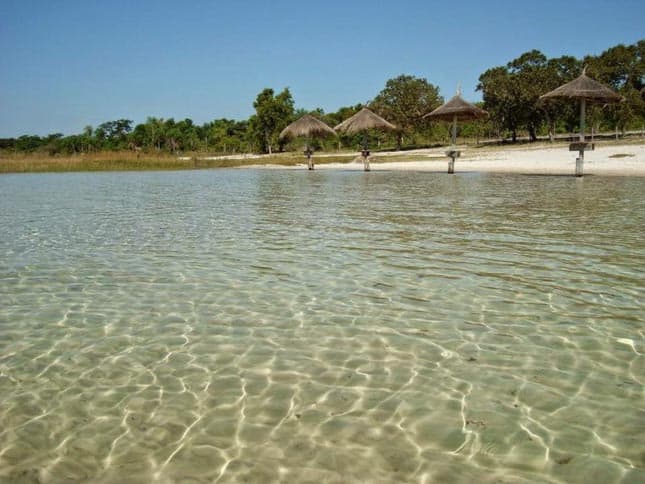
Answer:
(341, 326)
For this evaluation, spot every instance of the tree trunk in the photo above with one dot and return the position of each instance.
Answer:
(267, 141)
(532, 133)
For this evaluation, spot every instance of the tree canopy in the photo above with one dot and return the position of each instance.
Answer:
(510, 94)
(272, 114)
(405, 100)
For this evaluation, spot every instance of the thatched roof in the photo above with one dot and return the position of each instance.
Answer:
(307, 126)
(583, 87)
(364, 120)
(463, 110)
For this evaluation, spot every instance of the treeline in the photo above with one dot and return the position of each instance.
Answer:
(511, 92)
(510, 95)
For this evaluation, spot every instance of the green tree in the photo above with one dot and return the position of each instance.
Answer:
(337, 117)
(28, 144)
(272, 114)
(151, 134)
(172, 135)
(53, 144)
(113, 134)
(561, 115)
(139, 137)
(188, 136)
(157, 132)
(226, 135)
(511, 93)
(404, 101)
(622, 68)
(530, 72)
(87, 139)
(499, 94)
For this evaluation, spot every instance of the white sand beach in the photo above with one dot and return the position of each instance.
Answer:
(608, 158)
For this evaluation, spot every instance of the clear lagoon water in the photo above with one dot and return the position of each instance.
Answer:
(332, 326)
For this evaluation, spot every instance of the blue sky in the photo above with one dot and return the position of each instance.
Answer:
(66, 64)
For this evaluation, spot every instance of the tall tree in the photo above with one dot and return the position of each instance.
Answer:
(87, 138)
(511, 93)
(500, 94)
(405, 100)
(565, 113)
(529, 72)
(272, 114)
(149, 135)
(623, 68)
(112, 134)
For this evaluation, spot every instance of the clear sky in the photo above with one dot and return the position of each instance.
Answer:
(65, 64)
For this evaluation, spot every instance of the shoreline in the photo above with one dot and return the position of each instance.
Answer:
(615, 158)
(620, 159)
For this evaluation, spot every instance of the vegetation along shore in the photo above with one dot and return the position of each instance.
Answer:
(510, 95)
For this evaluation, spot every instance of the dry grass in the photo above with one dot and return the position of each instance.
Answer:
(104, 161)
(129, 161)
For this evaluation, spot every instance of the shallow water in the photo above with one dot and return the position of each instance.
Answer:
(243, 325)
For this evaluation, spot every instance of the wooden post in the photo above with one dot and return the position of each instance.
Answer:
(583, 112)
(310, 161)
(453, 148)
(366, 160)
(454, 131)
(365, 153)
(452, 154)
(581, 154)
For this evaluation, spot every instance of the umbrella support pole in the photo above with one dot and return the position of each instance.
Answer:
(580, 161)
(452, 154)
(366, 160)
(581, 147)
(585, 89)
(310, 161)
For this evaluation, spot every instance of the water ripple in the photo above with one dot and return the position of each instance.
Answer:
(286, 326)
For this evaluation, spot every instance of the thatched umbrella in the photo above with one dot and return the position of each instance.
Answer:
(361, 122)
(453, 111)
(588, 91)
(309, 127)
